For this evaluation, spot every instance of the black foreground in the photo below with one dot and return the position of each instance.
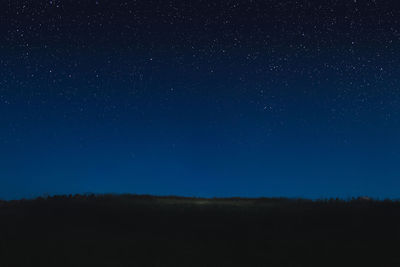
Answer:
(130, 230)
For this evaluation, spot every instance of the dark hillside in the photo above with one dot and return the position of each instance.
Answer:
(132, 230)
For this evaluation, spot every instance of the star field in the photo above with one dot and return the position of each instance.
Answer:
(200, 98)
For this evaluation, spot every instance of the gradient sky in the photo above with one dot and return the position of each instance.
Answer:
(200, 98)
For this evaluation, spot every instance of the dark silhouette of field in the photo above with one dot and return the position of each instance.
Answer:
(130, 230)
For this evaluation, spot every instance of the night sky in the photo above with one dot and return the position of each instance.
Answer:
(200, 98)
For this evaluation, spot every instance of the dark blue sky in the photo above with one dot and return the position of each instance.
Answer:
(200, 98)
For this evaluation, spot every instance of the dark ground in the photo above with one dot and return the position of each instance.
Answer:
(131, 230)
